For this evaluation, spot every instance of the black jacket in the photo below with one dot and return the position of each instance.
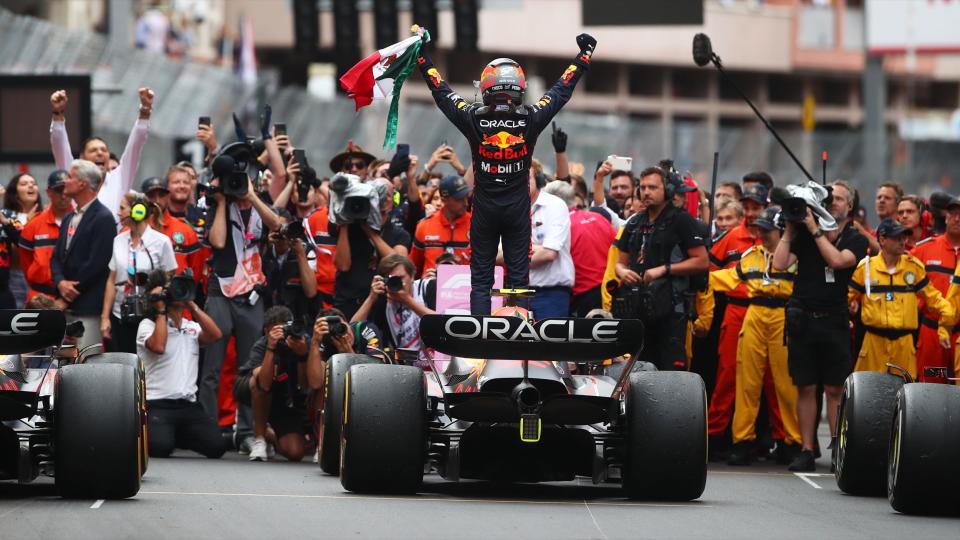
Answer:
(502, 143)
(87, 259)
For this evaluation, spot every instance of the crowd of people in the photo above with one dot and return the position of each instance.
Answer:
(236, 282)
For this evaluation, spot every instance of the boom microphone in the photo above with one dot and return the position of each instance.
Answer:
(703, 54)
(702, 50)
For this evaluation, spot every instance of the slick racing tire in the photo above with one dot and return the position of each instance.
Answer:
(666, 439)
(132, 360)
(331, 411)
(863, 432)
(96, 432)
(924, 462)
(383, 438)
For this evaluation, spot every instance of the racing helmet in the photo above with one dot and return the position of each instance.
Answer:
(503, 77)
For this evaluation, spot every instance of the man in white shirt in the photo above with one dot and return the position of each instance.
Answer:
(169, 346)
(116, 181)
(551, 266)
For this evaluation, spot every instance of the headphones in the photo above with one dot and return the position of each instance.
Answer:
(138, 210)
(540, 179)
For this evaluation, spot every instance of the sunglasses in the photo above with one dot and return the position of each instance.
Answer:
(355, 165)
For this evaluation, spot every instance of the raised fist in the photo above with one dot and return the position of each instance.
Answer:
(58, 101)
(587, 44)
(146, 98)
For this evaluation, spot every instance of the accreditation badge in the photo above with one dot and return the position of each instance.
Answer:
(910, 278)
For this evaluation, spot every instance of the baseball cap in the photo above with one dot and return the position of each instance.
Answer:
(768, 219)
(55, 180)
(154, 182)
(955, 201)
(454, 186)
(757, 193)
(892, 228)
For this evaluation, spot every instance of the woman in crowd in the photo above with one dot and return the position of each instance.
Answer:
(21, 201)
(137, 251)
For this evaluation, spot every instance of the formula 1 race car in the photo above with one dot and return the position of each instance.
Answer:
(80, 418)
(900, 438)
(505, 407)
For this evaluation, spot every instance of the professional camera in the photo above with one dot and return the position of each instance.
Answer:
(295, 329)
(293, 230)
(793, 209)
(136, 306)
(337, 326)
(181, 287)
(394, 283)
(232, 166)
(352, 201)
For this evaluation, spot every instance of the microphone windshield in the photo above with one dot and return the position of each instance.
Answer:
(222, 166)
(702, 50)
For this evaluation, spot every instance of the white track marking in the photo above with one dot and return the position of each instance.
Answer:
(423, 499)
(97, 504)
(803, 476)
(592, 517)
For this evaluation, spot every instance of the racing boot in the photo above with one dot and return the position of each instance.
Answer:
(740, 454)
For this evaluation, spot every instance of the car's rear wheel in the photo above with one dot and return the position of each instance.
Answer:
(96, 432)
(331, 412)
(863, 432)
(666, 436)
(383, 438)
(924, 464)
(132, 360)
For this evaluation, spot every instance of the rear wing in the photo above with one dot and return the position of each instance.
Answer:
(513, 338)
(28, 330)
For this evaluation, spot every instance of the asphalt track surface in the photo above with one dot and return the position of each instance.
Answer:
(187, 496)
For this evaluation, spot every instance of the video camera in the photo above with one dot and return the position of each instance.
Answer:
(793, 209)
(352, 201)
(232, 166)
(181, 288)
(136, 306)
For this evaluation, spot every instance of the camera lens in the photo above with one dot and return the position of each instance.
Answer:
(394, 283)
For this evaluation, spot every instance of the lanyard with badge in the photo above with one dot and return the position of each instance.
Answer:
(828, 275)
(131, 284)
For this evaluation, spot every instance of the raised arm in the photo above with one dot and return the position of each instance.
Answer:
(130, 159)
(59, 142)
(454, 107)
(557, 96)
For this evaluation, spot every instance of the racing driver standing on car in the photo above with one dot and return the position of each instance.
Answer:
(502, 133)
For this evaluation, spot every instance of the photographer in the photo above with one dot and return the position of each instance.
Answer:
(233, 297)
(273, 383)
(660, 248)
(404, 304)
(136, 251)
(332, 335)
(817, 324)
(169, 346)
(358, 244)
(290, 280)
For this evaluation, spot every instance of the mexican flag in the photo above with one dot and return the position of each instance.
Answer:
(381, 75)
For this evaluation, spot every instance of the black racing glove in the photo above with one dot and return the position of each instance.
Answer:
(265, 122)
(587, 44)
(559, 139)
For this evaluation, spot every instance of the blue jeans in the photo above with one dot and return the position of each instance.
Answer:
(551, 302)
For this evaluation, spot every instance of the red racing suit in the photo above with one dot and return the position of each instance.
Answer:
(501, 144)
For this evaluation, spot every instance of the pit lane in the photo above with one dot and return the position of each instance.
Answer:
(192, 497)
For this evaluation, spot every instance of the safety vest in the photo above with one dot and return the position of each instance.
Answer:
(889, 299)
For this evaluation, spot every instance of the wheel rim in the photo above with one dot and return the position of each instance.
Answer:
(895, 450)
(842, 440)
